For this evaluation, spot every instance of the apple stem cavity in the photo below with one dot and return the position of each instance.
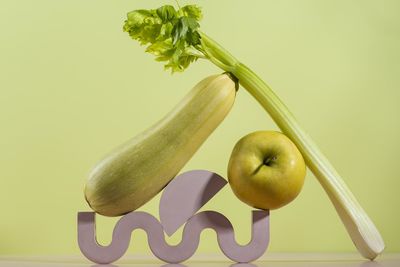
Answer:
(270, 160)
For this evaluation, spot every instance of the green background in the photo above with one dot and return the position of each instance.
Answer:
(73, 86)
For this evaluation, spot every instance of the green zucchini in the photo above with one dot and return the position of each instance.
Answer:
(136, 171)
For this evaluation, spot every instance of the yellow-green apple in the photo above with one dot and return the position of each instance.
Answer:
(266, 170)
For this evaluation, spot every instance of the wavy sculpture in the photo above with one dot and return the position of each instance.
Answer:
(204, 182)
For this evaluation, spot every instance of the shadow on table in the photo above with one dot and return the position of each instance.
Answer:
(263, 264)
(183, 265)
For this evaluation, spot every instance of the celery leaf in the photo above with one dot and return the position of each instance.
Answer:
(169, 34)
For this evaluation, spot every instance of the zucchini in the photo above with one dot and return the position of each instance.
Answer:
(137, 170)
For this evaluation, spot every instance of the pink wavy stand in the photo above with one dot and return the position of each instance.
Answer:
(181, 199)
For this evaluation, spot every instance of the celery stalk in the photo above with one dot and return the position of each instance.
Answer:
(174, 36)
(362, 231)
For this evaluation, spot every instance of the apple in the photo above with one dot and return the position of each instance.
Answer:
(266, 170)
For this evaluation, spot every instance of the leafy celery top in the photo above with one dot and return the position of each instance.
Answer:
(174, 37)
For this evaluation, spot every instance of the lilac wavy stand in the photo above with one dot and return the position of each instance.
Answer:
(186, 194)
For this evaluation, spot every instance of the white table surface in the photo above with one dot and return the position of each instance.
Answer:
(268, 260)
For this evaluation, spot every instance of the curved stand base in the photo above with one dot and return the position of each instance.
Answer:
(173, 254)
(196, 187)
